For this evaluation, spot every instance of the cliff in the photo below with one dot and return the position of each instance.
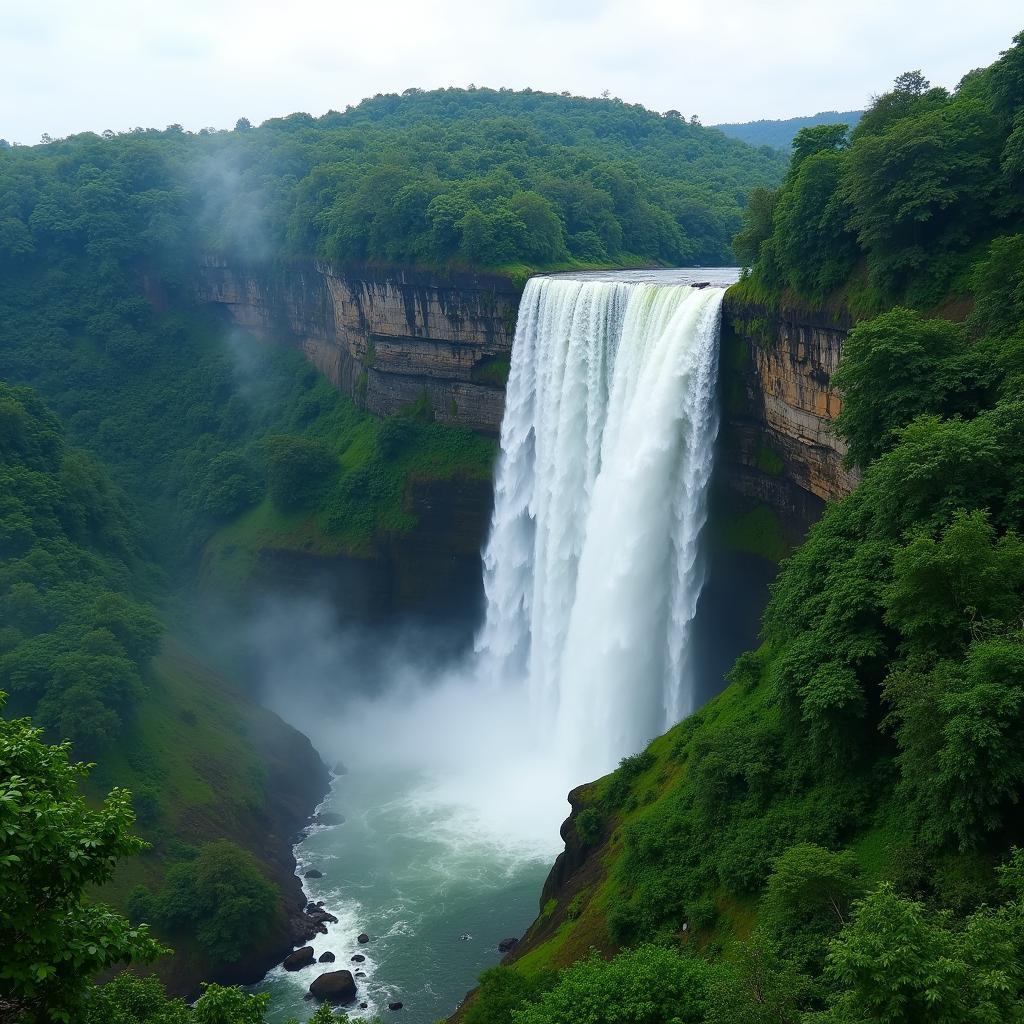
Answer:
(384, 336)
(777, 445)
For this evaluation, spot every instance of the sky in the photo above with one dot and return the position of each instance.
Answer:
(88, 65)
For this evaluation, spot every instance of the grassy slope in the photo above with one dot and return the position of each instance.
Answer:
(353, 525)
(558, 938)
(208, 763)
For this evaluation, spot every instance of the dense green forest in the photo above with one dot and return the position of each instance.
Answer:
(902, 208)
(835, 837)
(475, 177)
(779, 134)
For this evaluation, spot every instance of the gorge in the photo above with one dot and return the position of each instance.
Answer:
(606, 446)
(352, 440)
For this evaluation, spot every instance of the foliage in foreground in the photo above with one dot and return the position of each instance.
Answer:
(52, 848)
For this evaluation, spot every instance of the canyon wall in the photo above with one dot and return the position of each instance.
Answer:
(777, 444)
(390, 336)
(384, 336)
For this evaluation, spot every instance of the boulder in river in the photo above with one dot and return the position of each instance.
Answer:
(363, 939)
(328, 818)
(327, 958)
(358, 958)
(361, 974)
(334, 987)
(395, 1005)
(507, 944)
(300, 958)
(319, 914)
(313, 873)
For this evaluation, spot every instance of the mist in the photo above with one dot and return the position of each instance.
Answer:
(409, 699)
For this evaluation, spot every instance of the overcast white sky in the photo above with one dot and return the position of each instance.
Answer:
(74, 65)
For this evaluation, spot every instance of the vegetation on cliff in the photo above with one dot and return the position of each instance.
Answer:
(899, 209)
(835, 837)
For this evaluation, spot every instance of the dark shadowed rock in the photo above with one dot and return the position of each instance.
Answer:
(329, 818)
(300, 958)
(327, 958)
(319, 915)
(506, 945)
(363, 1006)
(313, 873)
(363, 939)
(395, 1006)
(361, 974)
(358, 958)
(334, 987)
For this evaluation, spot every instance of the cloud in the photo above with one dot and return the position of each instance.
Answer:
(70, 67)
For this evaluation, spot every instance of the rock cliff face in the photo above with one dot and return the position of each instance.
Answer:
(385, 337)
(778, 448)
(389, 336)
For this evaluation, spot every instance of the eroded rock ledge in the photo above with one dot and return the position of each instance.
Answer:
(384, 336)
(778, 407)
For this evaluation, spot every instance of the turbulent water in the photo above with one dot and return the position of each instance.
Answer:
(592, 575)
(592, 572)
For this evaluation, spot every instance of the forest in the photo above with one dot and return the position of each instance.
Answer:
(477, 177)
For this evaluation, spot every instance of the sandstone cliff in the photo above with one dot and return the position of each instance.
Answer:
(778, 447)
(384, 336)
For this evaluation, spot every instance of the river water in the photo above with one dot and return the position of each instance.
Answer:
(435, 893)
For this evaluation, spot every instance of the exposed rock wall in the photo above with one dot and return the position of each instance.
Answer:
(778, 447)
(384, 336)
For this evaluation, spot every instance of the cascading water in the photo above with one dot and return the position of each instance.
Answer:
(592, 571)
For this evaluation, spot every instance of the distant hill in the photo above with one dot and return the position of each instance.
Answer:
(780, 134)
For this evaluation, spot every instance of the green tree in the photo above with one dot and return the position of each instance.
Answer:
(807, 899)
(53, 847)
(296, 469)
(648, 985)
(221, 896)
(896, 367)
(942, 589)
(758, 218)
(897, 964)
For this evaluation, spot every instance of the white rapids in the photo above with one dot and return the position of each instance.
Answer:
(592, 571)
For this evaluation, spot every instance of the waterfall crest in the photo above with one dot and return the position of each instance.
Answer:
(592, 570)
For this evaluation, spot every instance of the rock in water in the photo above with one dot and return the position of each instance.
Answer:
(363, 939)
(327, 958)
(507, 944)
(300, 958)
(358, 958)
(313, 873)
(395, 1006)
(334, 987)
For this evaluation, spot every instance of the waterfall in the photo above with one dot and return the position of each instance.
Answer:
(592, 571)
